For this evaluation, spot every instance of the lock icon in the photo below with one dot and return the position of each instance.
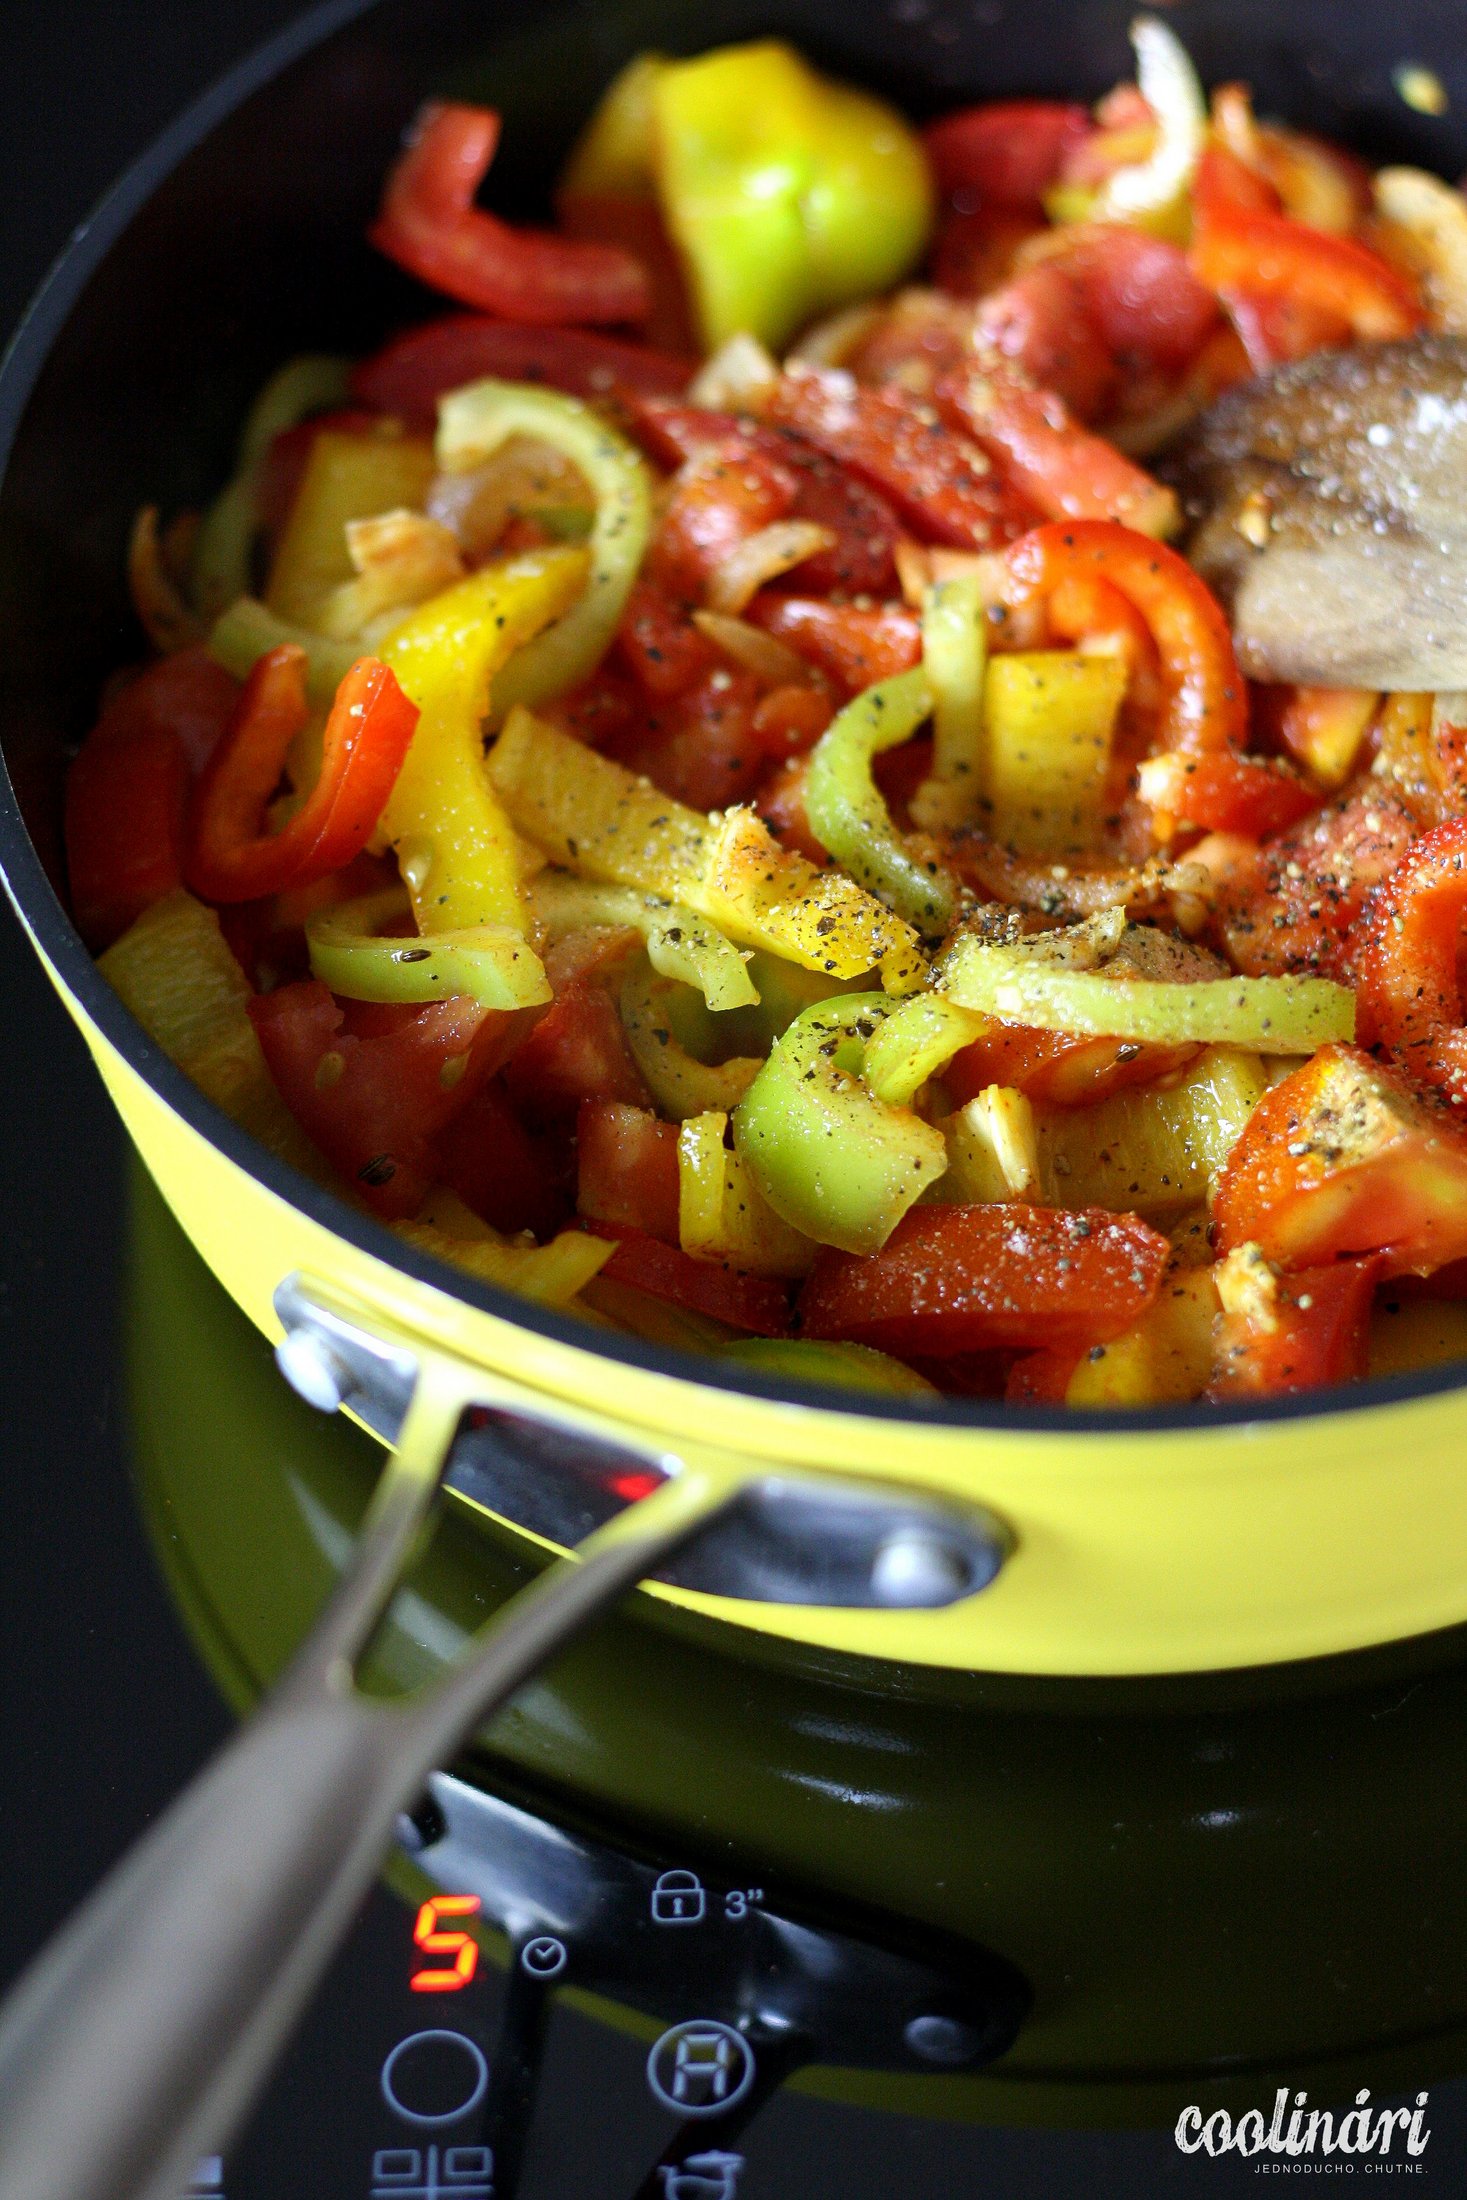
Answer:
(678, 1899)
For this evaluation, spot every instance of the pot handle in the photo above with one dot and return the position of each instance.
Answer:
(138, 2040)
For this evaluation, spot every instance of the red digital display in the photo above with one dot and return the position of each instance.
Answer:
(460, 1948)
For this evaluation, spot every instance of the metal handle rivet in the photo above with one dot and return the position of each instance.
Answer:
(314, 1370)
(915, 1567)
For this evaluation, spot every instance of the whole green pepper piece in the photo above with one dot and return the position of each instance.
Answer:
(838, 1164)
(850, 819)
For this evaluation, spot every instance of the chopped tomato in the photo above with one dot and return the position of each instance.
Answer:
(854, 646)
(512, 1178)
(701, 747)
(577, 1051)
(1060, 469)
(627, 1169)
(1292, 907)
(938, 479)
(229, 855)
(409, 375)
(1311, 1328)
(1040, 1378)
(1006, 152)
(791, 719)
(755, 1303)
(718, 499)
(1207, 703)
(1410, 992)
(1058, 1067)
(659, 643)
(1038, 322)
(1341, 1158)
(429, 224)
(127, 790)
(633, 222)
(1226, 794)
(781, 804)
(375, 1097)
(956, 1279)
(865, 527)
(973, 251)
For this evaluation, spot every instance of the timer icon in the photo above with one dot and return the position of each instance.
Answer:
(544, 1956)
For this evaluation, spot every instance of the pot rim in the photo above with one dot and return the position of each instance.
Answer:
(53, 932)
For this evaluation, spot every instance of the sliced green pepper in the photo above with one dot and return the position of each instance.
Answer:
(489, 962)
(848, 815)
(918, 1039)
(809, 1360)
(472, 425)
(246, 632)
(651, 1009)
(955, 660)
(837, 1163)
(680, 943)
(224, 547)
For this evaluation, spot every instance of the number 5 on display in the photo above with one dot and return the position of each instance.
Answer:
(461, 1947)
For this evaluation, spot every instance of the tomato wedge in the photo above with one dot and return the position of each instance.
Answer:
(1312, 1329)
(512, 1178)
(853, 644)
(627, 1168)
(1250, 795)
(956, 1279)
(1410, 995)
(374, 1098)
(1342, 1158)
(755, 1303)
(1006, 152)
(230, 857)
(429, 224)
(409, 375)
(576, 1051)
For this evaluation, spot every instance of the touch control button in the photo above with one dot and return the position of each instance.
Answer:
(434, 2078)
(700, 2068)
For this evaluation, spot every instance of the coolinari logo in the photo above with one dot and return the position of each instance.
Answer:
(1314, 2137)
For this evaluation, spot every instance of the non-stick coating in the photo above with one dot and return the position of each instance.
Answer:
(237, 241)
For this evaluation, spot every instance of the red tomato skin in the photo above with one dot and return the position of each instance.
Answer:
(627, 1168)
(377, 1117)
(1005, 152)
(511, 1179)
(1410, 993)
(700, 748)
(939, 481)
(659, 644)
(1341, 1158)
(409, 375)
(1040, 1378)
(959, 1279)
(757, 1304)
(789, 720)
(1057, 1067)
(781, 804)
(1250, 795)
(1292, 909)
(851, 645)
(718, 499)
(577, 1051)
(1319, 1336)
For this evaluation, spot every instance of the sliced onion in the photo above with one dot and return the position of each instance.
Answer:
(1432, 219)
(763, 557)
(738, 376)
(1169, 84)
(765, 655)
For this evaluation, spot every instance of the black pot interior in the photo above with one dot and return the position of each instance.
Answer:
(238, 241)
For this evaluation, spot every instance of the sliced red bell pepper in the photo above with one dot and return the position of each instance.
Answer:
(1006, 152)
(1060, 1068)
(941, 483)
(1227, 794)
(790, 719)
(956, 1279)
(127, 790)
(1206, 705)
(1410, 993)
(1343, 1158)
(1058, 467)
(757, 1304)
(1247, 255)
(634, 222)
(1315, 1331)
(429, 224)
(409, 375)
(627, 1168)
(230, 857)
(1226, 184)
(369, 1088)
(1040, 1378)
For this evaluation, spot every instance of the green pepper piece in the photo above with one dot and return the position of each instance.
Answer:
(849, 817)
(247, 631)
(224, 547)
(810, 1360)
(838, 1164)
(492, 963)
(787, 194)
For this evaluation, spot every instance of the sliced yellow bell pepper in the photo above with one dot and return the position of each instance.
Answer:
(599, 819)
(787, 194)
(1165, 1358)
(849, 1366)
(723, 1215)
(347, 477)
(553, 1274)
(454, 842)
(1048, 720)
(1156, 1149)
